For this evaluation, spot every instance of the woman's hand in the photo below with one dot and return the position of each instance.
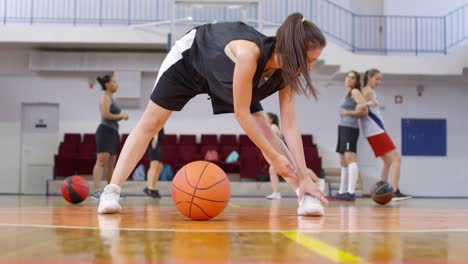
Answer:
(310, 173)
(283, 166)
(343, 112)
(306, 185)
(124, 116)
(372, 103)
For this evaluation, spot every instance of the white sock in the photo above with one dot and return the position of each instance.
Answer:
(116, 187)
(343, 180)
(353, 177)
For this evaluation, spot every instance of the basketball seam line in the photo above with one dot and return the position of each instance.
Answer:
(378, 189)
(199, 207)
(198, 197)
(195, 205)
(216, 183)
(196, 187)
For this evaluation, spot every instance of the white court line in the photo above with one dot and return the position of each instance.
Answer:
(236, 231)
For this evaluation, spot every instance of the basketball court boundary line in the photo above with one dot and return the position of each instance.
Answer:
(323, 249)
(233, 231)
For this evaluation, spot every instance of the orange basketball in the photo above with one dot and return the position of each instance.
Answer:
(200, 190)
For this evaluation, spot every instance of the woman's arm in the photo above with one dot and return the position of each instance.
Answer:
(367, 94)
(294, 141)
(246, 55)
(290, 130)
(361, 107)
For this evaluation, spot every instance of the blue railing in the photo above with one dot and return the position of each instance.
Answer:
(358, 33)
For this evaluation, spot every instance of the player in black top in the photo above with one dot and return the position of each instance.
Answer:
(237, 67)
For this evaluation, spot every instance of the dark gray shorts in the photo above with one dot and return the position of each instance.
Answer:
(107, 140)
(347, 139)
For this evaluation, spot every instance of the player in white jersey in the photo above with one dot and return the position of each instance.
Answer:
(379, 140)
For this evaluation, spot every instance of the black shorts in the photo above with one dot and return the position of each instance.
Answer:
(178, 82)
(347, 139)
(154, 154)
(107, 140)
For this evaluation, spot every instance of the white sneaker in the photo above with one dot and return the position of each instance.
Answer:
(274, 196)
(109, 202)
(310, 206)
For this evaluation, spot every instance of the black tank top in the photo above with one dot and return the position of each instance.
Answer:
(210, 61)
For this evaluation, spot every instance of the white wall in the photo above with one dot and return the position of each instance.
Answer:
(421, 7)
(362, 7)
(79, 113)
(400, 7)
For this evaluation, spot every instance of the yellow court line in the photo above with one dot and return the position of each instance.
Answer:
(323, 249)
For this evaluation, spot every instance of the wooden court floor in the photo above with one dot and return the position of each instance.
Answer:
(37, 229)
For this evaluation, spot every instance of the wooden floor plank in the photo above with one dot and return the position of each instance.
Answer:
(38, 229)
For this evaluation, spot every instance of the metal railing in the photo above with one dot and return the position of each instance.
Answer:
(358, 33)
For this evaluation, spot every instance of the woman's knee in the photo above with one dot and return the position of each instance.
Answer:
(153, 118)
(154, 164)
(343, 163)
(350, 158)
(396, 157)
(102, 160)
(387, 160)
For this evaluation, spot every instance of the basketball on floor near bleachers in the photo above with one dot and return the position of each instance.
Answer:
(201, 190)
(75, 189)
(382, 192)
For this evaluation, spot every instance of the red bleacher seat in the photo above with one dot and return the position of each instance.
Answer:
(169, 139)
(209, 139)
(228, 139)
(169, 155)
(72, 138)
(186, 154)
(86, 158)
(249, 163)
(313, 161)
(245, 141)
(89, 138)
(65, 160)
(187, 139)
(307, 140)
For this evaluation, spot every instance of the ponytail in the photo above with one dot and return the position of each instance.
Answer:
(293, 39)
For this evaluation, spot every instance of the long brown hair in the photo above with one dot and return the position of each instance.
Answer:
(369, 74)
(293, 39)
(357, 85)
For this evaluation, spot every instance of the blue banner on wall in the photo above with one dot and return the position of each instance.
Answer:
(424, 137)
